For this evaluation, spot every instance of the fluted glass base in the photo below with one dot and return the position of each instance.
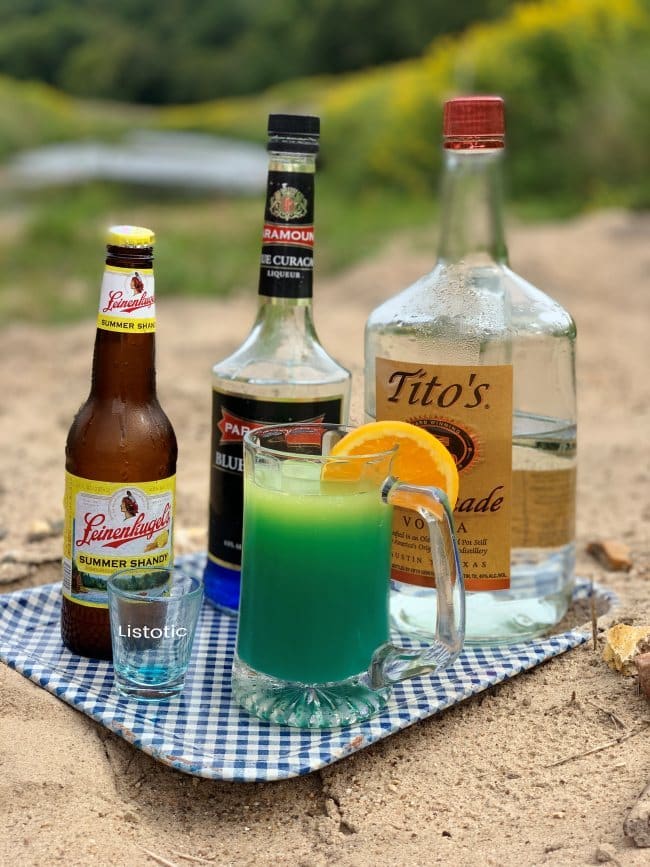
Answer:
(303, 705)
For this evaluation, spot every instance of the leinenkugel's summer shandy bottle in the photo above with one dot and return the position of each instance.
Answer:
(120, 452)
(281, 373)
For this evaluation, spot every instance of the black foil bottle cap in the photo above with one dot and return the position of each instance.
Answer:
(293, 133)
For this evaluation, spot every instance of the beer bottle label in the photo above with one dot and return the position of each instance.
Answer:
(469, 409)
(232, 417)
(112, 526)
(127, 300)
(287, 260)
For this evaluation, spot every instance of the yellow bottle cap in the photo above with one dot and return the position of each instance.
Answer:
(130, 236)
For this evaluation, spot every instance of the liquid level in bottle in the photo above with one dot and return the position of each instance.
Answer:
(541, 577)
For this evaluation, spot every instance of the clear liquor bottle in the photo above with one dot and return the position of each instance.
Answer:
(281, 373)
(486, 362)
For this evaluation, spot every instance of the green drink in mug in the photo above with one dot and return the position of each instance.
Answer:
(312, 644)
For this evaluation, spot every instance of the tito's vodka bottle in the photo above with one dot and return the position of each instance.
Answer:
(281, 373)
(485, 361)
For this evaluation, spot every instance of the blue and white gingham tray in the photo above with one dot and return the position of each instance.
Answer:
(202, 732)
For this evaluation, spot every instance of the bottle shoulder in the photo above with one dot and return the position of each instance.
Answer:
(280, 357)
(490, 298)
(533, 305)
(115, 440)
(401, 302)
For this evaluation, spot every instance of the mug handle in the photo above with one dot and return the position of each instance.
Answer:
(391, 663)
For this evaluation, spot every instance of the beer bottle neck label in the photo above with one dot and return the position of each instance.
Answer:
(127, 301)
(287, 260)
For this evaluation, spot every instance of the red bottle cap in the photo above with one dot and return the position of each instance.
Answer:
(474, 122)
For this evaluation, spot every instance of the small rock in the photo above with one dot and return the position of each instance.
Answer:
(612, 554)
(10, 572)
(3, 533)
(622, 644)
(642, 663)
(38, 558)
(606, 854)
(553, 847)
(637, 824)
(40, 530)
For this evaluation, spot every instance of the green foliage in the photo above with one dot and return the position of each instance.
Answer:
(576, 78)
(33, 114)
(578, 93)
(575, 75)
(52, 246)
(190, 50)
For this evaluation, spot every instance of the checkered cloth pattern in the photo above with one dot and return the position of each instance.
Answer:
(202, 732)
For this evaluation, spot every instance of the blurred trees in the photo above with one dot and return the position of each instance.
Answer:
(184, 51)
(575, 75)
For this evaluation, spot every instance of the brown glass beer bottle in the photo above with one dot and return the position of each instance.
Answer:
(120, 452)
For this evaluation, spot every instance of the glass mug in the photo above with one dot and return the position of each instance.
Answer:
(313, 645)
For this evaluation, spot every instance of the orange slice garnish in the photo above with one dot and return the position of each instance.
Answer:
(421, 459)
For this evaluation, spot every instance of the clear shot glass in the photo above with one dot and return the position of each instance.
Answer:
(153, 615)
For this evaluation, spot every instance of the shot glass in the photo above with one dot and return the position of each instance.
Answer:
(153, 615)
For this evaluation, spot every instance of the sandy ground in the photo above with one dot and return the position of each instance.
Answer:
(472, 786)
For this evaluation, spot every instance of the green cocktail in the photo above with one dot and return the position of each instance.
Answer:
(315, 571)
(312, 647)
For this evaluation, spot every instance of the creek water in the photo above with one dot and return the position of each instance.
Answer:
(163, 159)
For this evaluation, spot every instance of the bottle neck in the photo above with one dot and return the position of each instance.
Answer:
(287, 259)
(124, 365)
(471, 227)
(298, 311)
(284, 322)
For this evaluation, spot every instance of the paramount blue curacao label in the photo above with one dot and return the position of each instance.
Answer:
(287, 260)
(232, 417)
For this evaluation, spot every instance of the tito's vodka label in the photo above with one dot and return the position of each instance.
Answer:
(469, 409)
(111, 526)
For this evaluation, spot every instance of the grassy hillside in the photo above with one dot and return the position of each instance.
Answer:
(575, 75)
(33, 114)
(191, 50)
(576, 78)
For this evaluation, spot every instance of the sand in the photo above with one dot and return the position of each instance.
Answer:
(475, 785)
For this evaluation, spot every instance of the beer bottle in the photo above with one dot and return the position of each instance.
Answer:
(120, 452)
